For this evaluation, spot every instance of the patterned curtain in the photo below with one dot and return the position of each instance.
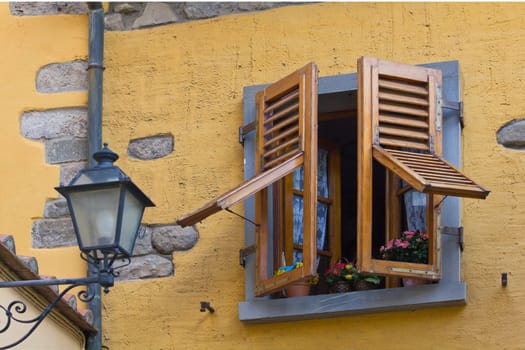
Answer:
(322, 208)
(416, 210)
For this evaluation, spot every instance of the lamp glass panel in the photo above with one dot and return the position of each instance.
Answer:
(96, 216)
(131, 218)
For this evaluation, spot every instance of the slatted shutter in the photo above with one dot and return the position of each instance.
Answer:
(286, 129)
(399, 126)
(406, 124)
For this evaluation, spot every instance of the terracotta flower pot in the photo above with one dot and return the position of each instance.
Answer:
(298, 289)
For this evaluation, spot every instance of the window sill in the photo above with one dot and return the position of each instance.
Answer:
(445, 293)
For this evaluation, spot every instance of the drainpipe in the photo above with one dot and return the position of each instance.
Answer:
(95, 69)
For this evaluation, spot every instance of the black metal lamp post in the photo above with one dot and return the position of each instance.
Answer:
(106, 208)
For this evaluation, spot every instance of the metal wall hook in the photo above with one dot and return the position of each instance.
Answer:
(205, 305)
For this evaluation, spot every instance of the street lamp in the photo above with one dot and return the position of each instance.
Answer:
(106, 208)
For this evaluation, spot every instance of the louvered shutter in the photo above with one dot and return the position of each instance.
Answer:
(404, 112)
(285, 117)
(399, 125)
(286, 129)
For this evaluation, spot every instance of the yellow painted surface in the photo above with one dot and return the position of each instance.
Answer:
(29, 43)
(187, 79)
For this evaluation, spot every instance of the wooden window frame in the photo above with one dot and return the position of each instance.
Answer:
(284, 204)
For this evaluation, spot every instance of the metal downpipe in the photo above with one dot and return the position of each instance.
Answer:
(95, 70)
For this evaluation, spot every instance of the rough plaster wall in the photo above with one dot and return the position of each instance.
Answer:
(29, 43)
(187, 79)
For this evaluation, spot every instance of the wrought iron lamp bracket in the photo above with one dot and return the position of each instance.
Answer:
(13, 313)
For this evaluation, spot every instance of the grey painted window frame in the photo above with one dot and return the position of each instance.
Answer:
(450, 291)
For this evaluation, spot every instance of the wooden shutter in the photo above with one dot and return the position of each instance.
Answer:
(284, 112)
(399, 125)
(286, 138)
(404, 112)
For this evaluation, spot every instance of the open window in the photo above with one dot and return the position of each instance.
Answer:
(380, 153)
(286, 129)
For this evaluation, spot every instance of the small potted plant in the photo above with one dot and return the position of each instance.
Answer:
(363, 281)
(300, 288)
(411, 247)
(340, 275)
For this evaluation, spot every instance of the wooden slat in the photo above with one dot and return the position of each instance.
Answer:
(281, 159)
(403, 99)
(292, 119)
(402, 109)
(281, 114)
(403, 87)
(400, 120)
(392, 142)
(281, 147)
(404, 132)
(270, 106)
(281, 136)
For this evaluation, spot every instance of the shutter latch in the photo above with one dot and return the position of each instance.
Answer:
(243, 254)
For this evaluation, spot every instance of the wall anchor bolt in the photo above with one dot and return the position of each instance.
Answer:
(205, 305)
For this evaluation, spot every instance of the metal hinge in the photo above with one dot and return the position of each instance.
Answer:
(455, 106)
(457, 231)
(244, 253)
(245, 130)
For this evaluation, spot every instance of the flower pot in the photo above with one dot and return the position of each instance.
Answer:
(340, 287)
(364, 285)
(414, 281)
(298, 289)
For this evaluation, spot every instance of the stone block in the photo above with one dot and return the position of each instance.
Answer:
(152, 147)
(66, 150)
(169, 238)
(127, 8)
(56, 208)
(64, 76)
(25, 8)
(155, 13)
(54, 123)
(512, 134)
(113, 21)
(69, 170)
(146, 266)
(143, 243)
(51, 233)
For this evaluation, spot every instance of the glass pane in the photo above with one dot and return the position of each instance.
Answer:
(322, 225)
(131, 218)
(96, 215)
(322, 175)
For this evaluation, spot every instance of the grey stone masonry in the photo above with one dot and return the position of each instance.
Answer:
(52, 233)
(56, 208)
(54, 123)
(47, 8)
(131, 15)
(63, 76)
(512, 134)
(66, 150)
(169, 238)
(152, 147)
(146, 266)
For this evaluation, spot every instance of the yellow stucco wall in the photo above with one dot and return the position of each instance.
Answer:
(29, 43)
(187, 79)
